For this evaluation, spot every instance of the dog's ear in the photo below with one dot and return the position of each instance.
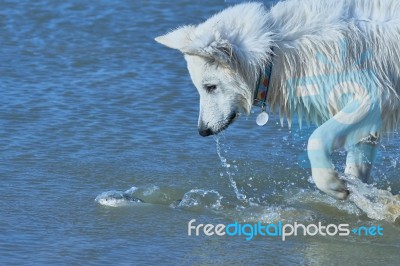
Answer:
(183, 39)
(220, 50)
(177, 39)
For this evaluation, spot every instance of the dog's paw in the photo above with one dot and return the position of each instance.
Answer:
(336, 189)
(338, 193)
(328, 181)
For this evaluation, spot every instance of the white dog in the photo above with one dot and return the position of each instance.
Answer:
(333, 63)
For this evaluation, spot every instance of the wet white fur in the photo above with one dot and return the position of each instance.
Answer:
(303, 38)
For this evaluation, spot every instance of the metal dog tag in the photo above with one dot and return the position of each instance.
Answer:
(262, 118)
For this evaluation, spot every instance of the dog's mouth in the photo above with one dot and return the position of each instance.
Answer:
(219, 126)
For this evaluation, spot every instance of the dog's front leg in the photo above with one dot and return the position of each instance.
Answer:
(320, 148)
(354, 122)
(361, 157)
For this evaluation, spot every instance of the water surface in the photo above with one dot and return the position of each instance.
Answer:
(93, 108)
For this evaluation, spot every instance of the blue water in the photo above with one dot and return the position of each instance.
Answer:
(91, 107)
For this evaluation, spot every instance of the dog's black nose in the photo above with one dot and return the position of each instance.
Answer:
(205, 132)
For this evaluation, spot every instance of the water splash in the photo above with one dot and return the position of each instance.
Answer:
(221, 148)
(376, 203)
(365, 199)
(142, 194)
(199, 198)
(116, 198)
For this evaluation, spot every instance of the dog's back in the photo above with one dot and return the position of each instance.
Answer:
(354, 35)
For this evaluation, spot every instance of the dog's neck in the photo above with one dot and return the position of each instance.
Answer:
(262, 87)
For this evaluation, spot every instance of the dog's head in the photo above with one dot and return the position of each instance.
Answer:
(224, 56)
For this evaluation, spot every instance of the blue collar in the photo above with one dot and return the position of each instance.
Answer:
(261, 91)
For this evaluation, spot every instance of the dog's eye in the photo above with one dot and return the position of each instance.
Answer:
(210, 88)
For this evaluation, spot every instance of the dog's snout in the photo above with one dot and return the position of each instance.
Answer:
(204, 132)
